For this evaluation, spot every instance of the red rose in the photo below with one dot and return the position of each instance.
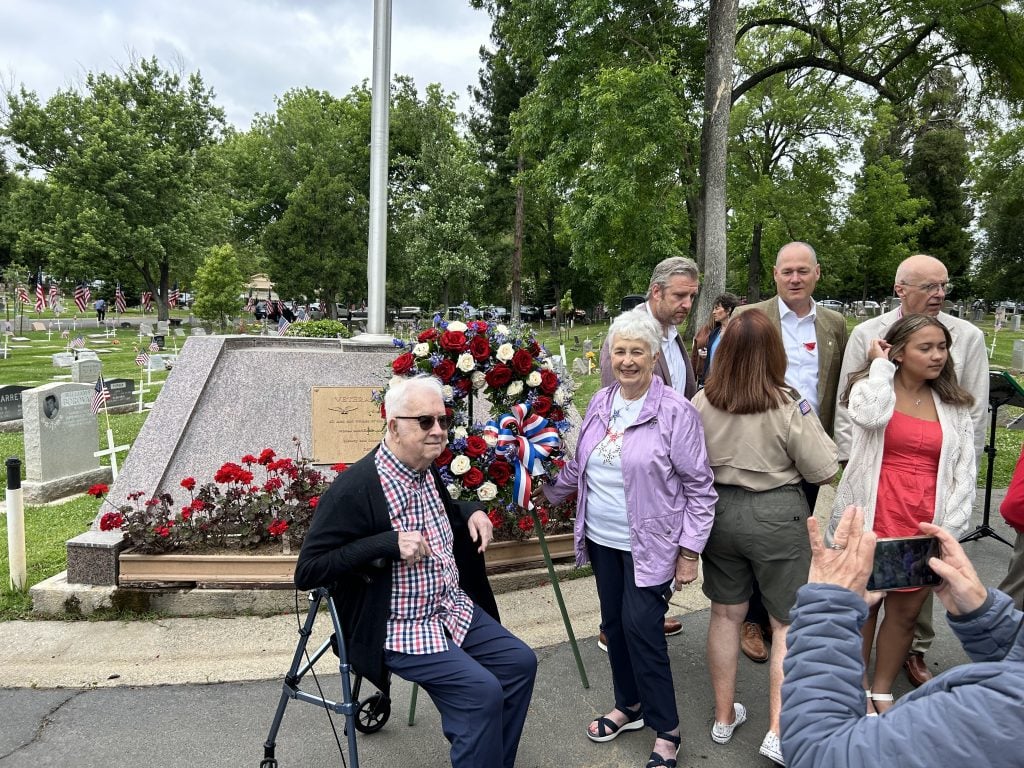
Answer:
(557, 414)
(477, 325)
(463, 385)
(428, 335)
(475, 446)
(403, 364)
(188, 483)
(542, 405)
(548, 382)
(535, 349)
(500, 472)
(522, 362)
(453, 341)
(473, 479)
(444, 459)
(445, 370)
(498, 376)
(480, 348)
(383, 412)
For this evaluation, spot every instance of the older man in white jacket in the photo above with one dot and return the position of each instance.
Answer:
(921, 284)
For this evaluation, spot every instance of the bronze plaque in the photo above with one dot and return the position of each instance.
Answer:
(346, 424)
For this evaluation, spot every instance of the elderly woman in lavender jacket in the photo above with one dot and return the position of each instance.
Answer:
(644, 511)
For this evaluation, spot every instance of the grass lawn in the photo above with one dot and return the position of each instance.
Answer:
(48, 527)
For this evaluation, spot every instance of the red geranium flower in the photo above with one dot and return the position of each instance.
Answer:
(428, 335)
(99, 490)
(186, 513)
(480, 348)
(339, 467)
(277, 527)
(473, 479)
(476, 446)
(403, 364)
(500, 472)
(498, 376)
(248, 459)
(452, 341)
(189, 483)
(266, 456)
(313, 501)
(525, 524)
(198, 504)
(522, 362)
(548, 382)
(111, 521)
(445, 370)
(495, 517)
(542, 515)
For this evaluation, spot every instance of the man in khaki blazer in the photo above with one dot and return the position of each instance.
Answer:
(815, 340)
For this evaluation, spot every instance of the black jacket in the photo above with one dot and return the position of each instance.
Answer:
(351, 547)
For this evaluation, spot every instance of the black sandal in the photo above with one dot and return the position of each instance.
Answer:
(608, 730)
(657, 761)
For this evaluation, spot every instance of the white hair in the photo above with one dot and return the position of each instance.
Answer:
(398, 393)
(637, 324)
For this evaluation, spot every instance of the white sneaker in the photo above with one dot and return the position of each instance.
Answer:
(722, 732)
(771, 748)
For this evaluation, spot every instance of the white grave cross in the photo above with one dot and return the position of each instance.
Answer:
(111, 451)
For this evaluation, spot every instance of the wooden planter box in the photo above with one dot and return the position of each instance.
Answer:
(250, 571)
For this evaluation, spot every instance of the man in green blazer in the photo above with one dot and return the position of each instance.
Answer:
(815, 339)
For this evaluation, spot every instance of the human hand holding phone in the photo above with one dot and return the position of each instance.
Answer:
(961, 591)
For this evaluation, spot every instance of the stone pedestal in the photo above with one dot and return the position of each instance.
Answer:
(36, 492)
(93, 558)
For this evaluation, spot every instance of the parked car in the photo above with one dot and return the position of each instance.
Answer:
(832, 304)
(529, 313)
(410, 313)
(631, 301)
(463, 312)
(497, 314)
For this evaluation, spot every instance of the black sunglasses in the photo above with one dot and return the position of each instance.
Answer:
(426, 422)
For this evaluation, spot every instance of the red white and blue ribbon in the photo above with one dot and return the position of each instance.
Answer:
(532, 441)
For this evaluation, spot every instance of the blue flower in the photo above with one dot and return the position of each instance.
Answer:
(398, 343)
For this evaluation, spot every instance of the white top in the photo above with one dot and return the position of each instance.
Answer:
(606, 520)
(672, 354)
(801, 343)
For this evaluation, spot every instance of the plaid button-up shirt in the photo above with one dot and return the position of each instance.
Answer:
(426, 600)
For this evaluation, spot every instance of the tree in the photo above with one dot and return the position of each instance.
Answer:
(130, 175)
(1000, 189)
(218, 285)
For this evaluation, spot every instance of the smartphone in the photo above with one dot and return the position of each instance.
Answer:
(902, 563)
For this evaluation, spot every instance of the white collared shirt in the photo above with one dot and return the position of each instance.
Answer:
(673, 356)
(801, 343)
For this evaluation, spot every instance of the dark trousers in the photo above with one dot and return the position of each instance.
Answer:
(756, 613)
(482, 690)
(632, 619)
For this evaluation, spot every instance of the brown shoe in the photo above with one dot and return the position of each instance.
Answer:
(672, 627)
(917, 669)
(752, 642)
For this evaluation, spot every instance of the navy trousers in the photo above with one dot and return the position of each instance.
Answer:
(632, 619)
(482, 690)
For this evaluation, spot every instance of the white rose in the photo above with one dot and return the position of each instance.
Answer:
(478, 379)
(486, 492)
(502, 329)
(466, 362)
(455, 325)
(454, 489)
(533, 380)
(460, 433)
(515, 388)
(421, 350)
(491, 439)
(460, 465)
(505, 352)
(559, 396)
(447, 392)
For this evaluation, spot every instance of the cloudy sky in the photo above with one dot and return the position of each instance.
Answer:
(248, 51)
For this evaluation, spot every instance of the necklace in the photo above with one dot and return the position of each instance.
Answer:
(626, 405)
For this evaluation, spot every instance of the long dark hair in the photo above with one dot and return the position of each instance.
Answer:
(899, 333)
(750, 366)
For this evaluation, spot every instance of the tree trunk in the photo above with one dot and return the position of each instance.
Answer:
(712, 223)
(162, 310)
(517, 243)
(754, 266)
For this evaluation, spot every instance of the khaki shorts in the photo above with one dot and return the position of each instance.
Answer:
(759, 536)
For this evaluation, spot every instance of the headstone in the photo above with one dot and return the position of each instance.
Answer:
(60, 438)
(162, 326)
(179, 331)
(87, 354)
(39, 327)
(86, 371)
(1017, 362)
(579, 365)
(63, 359)
(145, 329)
(156, 363)
(588, 345)
(1016, 322)
(10, 402)
(122, 392)
(198, 331)
(159, 339)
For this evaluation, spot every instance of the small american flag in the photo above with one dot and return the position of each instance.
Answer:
(282, 326)
(147, 301)
(40, 293)
(78, 343)
(119, 303)
(250, 305)
(54, 301)
(100, 396)
(82, 296)
(142, 359)
(172, 298)
(154, 347)
(22, 295)
(805, 407)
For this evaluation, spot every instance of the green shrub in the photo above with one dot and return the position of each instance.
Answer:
(319, 329)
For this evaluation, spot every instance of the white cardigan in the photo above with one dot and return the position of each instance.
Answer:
(871, 405)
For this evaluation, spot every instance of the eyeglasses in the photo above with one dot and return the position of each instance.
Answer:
(427, 422)
(932, 288)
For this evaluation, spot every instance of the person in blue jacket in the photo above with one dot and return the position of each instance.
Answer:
(969, 715)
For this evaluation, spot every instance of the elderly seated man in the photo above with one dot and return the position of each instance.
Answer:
(409, 584)
(969, 715)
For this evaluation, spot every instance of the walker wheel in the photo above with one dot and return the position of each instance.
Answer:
(373, 713)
